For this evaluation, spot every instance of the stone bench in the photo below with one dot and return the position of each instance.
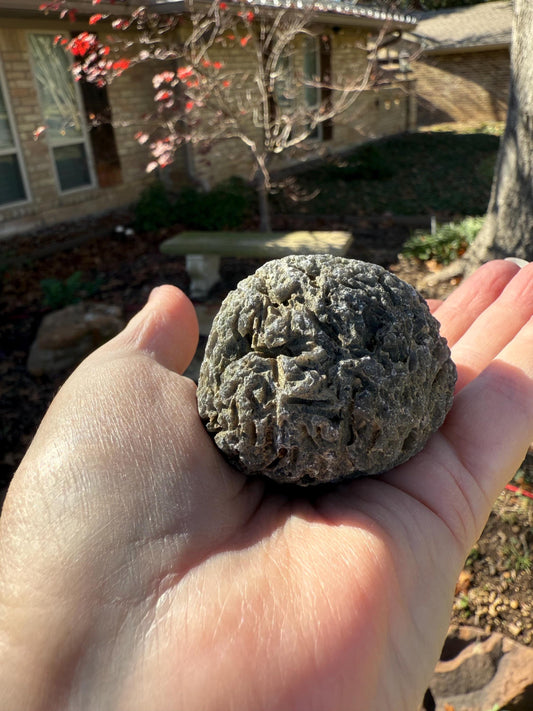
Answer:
(203, 250)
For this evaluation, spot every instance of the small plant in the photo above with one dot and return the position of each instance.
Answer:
(58, 293)
(463, 605)
(519, 555)
(449, 242)
(474, 555)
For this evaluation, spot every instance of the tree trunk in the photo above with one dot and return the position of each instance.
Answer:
(508, 228)
(263, 202)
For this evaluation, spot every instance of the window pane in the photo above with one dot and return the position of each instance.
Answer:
(6, 137)
(283, 86)
(72, 166)
(57, 89)
(311, 72)
(11, 185)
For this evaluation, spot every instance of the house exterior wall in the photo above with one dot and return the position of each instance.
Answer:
(374, 113)
(130, 97)
(466, 87)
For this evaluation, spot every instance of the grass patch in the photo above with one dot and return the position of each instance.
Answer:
(442, 173)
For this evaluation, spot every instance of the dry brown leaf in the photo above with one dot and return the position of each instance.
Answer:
(463, 582)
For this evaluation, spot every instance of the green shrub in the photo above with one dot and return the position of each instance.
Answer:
(154, 209)
(448, 243)
(224, 208)
(58, 293)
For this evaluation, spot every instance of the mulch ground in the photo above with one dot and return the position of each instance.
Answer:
(494, 591)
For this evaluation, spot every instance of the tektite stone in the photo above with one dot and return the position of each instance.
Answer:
(322, 368)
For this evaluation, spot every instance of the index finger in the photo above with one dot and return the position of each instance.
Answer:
(464, 305)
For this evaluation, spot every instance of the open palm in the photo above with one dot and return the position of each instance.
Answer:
(139, 572)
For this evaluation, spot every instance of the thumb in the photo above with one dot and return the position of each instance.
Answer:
(166, 329)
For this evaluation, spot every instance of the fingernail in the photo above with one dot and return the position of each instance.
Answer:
(516, 260)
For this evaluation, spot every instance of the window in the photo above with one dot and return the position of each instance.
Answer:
(317, 76)
(12, 184)
(302, 85)
(62, 111)
(101, 134)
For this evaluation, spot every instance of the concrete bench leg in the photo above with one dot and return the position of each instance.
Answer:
(203, 270)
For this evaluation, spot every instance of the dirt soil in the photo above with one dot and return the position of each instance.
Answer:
(494, 590)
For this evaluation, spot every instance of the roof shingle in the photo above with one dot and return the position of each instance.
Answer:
(485, 24)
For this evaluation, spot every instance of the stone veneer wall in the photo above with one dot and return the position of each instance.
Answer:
(466, 87)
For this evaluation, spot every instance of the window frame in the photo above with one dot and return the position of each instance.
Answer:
(317, 135)
(16, 149)
(83, 140)
(296, 62)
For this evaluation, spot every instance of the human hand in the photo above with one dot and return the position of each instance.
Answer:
(139, 572)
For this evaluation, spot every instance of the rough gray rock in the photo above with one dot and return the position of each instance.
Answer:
(321, 368)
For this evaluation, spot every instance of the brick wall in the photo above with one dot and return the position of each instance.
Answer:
(130, 97)
(467, 87)
(373, 112)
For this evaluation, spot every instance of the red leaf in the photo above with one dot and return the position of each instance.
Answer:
(163, 95)
(82, 44)
(141, 137)
(244, 41)
(189, 106)
(120, 24)
(217, 65)
(223, 6)
(95, 18)
(121, 64)
(250, 16)
(184, 72)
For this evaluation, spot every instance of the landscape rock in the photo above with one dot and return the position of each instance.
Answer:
(67, 336)
(319, 368)
(488, 672)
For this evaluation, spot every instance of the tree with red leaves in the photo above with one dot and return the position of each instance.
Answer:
(261, 94)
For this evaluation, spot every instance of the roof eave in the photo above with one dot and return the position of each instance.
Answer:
(344, 16)
(459, 49)
(84, 8)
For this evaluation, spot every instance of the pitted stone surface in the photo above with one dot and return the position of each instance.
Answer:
(321, 368)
